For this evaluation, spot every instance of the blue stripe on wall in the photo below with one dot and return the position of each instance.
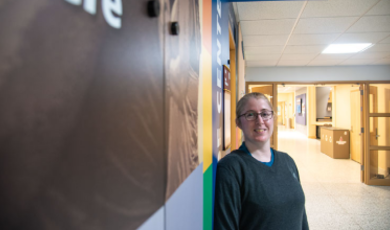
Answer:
(184, 209)
(155, 222)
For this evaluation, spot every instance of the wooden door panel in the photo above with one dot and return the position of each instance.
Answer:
(355, 127)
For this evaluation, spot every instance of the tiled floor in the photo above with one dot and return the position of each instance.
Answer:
(335, 197)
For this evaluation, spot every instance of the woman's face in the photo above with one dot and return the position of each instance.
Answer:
(257, 130)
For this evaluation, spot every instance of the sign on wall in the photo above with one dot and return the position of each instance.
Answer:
(227, 97)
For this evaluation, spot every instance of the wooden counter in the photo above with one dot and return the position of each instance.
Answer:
(318, 127)
(335, 142)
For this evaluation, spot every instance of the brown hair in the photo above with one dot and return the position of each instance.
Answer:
(243, 101)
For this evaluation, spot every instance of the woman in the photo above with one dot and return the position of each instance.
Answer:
(258, 187)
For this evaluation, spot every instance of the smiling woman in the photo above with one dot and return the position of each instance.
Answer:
(251, 181)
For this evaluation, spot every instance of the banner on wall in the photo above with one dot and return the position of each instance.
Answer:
(227, 97)
(221, 15)
(81, 100)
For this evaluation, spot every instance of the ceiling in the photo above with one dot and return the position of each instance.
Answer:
(294, 33)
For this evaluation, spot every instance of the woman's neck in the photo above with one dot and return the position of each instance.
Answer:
(260, 151)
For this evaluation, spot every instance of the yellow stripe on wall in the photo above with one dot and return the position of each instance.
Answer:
(207, 109)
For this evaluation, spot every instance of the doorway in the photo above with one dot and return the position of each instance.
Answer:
(366, 113)
(269, 90)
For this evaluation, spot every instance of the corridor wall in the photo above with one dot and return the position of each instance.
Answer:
(342, 107)
(289, 99)
(108, 119)
(320, 73)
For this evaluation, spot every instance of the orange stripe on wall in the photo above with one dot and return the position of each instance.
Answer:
(207, 24)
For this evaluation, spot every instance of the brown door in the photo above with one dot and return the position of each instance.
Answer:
(356, 150)
(373, 104)
(377, 124)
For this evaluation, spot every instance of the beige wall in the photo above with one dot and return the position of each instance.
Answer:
(312, 111)
(342, 106)
(289, 99)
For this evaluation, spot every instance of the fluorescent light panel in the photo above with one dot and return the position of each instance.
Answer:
(346, 48)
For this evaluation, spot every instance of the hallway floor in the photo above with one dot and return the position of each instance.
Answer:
(335, 197)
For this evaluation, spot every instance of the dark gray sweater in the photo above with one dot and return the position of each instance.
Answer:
(250, 195)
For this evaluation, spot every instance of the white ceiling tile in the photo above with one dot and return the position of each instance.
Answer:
(378, 48)
(292, 57)
(271, 40)
(337, 8)
(269, 10)
(267, 27)
(371, 24)
(304, 49)
(386, 40)
(361, 37)
(260, 63)
(323, 25)
(292, 63)
(253, 57)
(366, 56)
(333, 56)
(357, 62)
(311, 39)
(264, 50)
(382, 8)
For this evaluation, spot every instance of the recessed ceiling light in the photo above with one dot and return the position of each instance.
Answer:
(346, 48)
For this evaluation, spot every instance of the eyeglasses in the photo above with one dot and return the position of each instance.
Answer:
(251, 115)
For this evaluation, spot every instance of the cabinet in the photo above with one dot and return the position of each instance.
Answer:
(335, 142)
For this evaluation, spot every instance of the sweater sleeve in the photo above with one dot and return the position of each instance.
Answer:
(227, 207)
(305, 224)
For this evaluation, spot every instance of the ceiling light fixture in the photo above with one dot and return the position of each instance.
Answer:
(346, 48)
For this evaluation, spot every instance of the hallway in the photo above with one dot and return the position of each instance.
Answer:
(335, 197)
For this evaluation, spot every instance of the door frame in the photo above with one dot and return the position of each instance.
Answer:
(274, 102)
(365, 117)
(367, 147)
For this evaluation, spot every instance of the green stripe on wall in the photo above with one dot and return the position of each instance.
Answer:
(208, 198)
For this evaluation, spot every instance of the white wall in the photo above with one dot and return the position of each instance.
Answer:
(318, 73)
(322, 96)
